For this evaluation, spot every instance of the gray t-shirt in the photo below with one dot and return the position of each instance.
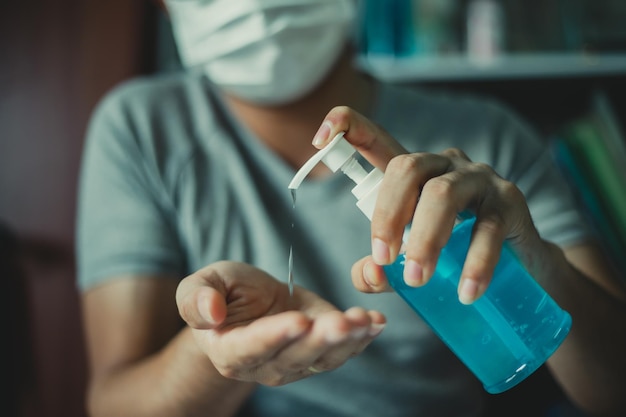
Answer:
(171, 182)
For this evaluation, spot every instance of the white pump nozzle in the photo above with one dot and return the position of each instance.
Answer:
(339, 154)
(331, 155)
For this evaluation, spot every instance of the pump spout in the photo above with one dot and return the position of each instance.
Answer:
(339, 155)
(334, 156)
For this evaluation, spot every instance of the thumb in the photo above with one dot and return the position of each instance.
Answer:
(201, 301)
(372, 141)
(369, 277)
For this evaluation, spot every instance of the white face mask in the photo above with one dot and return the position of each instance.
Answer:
(263, 51)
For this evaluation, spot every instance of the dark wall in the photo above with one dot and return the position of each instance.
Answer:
(57, 58)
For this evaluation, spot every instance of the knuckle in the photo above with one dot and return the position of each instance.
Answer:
(481, 167)
(510, 192)
(455, 153)
(403, 164)
(493, 224)
(341, 112)
(441, 187)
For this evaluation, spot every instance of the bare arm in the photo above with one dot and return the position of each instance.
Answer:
(243, 328)
(144, 362)
(591, 364)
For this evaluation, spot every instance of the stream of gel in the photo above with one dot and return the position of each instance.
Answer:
(290, 266)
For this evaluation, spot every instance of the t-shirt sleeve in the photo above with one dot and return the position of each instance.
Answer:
(125, 224)
(527, 161)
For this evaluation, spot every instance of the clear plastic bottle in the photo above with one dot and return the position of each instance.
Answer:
(505, 335)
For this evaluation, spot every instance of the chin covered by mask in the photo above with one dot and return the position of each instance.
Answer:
(263, 51)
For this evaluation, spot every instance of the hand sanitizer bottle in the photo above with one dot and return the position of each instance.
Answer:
(505, 335)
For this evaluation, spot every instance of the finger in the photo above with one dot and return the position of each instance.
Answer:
(201, 301)
(360, 335)
(455, 154)
(342, 345)
(484, 252)
(369, 277)
(501, 215)
(397, 200)
(239, 351)
(377, 325)
(292, 362)
(442, 198)
(333, 339)
(373, 142)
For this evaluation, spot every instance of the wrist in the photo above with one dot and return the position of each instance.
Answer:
(198, 385)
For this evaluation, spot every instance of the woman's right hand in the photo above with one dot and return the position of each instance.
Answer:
(251, 329)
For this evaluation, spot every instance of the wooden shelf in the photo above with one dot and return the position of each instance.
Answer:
(459, 67)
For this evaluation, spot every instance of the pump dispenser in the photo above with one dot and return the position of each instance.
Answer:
(340, 155)
(505, 335)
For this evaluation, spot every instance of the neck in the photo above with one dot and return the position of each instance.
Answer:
(289, 129)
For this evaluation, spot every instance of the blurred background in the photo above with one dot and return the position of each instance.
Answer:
(57, 59)
(556, 62)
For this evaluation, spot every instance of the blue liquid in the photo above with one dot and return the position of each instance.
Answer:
(503, 337)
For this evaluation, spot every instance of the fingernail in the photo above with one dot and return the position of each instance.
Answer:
(369, 275)
(322, 134)
(413, 274)
(468, 291)
(375, 329)
(380, 252)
